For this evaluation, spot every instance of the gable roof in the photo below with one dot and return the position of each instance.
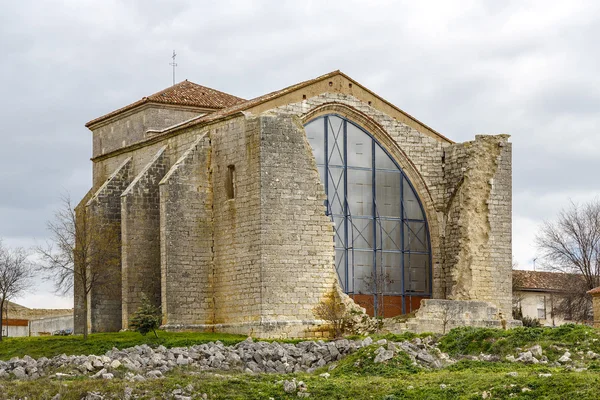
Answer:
(543, 281)
(258, 101)
(184, 93)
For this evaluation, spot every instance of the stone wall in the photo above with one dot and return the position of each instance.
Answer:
(104, 210)
(132, 127)
(297, 248)
(237, 222)
(186, 238)
(140, 235)
(477, 238)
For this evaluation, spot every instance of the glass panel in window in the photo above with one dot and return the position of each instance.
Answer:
(363, 272)
(391, 272)
(388, 193)
(339, 232)
(315, 132)
(360, 192)
(382, 160)
(336, 191)
(362, 233)
(416, 276)
(359, 147)
(391, 235)
(415, 236)
(340, 266)
(335, 141)
(412, 209)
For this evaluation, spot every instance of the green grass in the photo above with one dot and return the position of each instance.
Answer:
(100, 343)
(502, 342)
(354, 377)
(465, 384)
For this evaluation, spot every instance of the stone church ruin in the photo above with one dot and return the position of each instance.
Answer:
(242, 215)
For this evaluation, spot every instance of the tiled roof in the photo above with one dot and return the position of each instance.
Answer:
(594, 290)
(544, 281)
(185, 93)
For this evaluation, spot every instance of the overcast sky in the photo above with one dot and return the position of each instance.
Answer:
(527, 68)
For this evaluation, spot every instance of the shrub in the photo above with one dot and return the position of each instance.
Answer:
(531, 322)
(147, 318)
(333, 310)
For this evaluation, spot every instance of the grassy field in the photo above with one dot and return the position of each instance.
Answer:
(100, 343)
(467, 381)
(355, 377)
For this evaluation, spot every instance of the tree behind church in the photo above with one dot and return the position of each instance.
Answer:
(571, 245)
(15, 275)
(78, 253)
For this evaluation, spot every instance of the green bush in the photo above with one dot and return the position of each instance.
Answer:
(147, 318)
(531, 322)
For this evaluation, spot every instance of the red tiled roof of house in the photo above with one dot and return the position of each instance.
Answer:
(544, 281)
(594, 290)
(185, 93)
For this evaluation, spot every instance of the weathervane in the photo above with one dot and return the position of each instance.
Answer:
(173, 64)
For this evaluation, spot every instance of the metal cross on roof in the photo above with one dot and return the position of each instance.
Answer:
(173, 64)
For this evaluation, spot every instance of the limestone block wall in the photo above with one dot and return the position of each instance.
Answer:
(104, 208)
(186, 238)
(79, 292)
(140, 235)
(132, 127)
(477, 238)
(237, 221)
(297, 248)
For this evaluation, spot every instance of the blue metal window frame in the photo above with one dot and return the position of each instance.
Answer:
(374, 217)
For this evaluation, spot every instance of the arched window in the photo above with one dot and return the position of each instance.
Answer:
(382, 249)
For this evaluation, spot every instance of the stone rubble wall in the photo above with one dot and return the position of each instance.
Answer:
(140, 235)
(477, 238)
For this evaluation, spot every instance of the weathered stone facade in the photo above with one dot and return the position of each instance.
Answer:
(222, 218)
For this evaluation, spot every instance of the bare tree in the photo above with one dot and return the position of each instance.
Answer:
(571, 244)
(15, 275)
(80, 251)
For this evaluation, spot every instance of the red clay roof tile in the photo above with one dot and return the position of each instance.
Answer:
(185, 93)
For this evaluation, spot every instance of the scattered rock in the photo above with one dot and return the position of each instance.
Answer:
(513, 374)
(289, 386)
(536, 350)
(383, 355)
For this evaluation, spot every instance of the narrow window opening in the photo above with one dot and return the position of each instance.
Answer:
(229, 180)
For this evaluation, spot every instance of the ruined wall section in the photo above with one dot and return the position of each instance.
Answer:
(421, 150)
(104, 210)
(297, 260)
(477, 236)
(132, 126)
(500, 215)
(237, 219)
(186, 238)
(140, 235)
(79, 293)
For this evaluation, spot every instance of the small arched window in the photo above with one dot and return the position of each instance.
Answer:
(382, 247)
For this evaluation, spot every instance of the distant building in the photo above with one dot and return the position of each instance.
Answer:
(544, 295)
(18, 320)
